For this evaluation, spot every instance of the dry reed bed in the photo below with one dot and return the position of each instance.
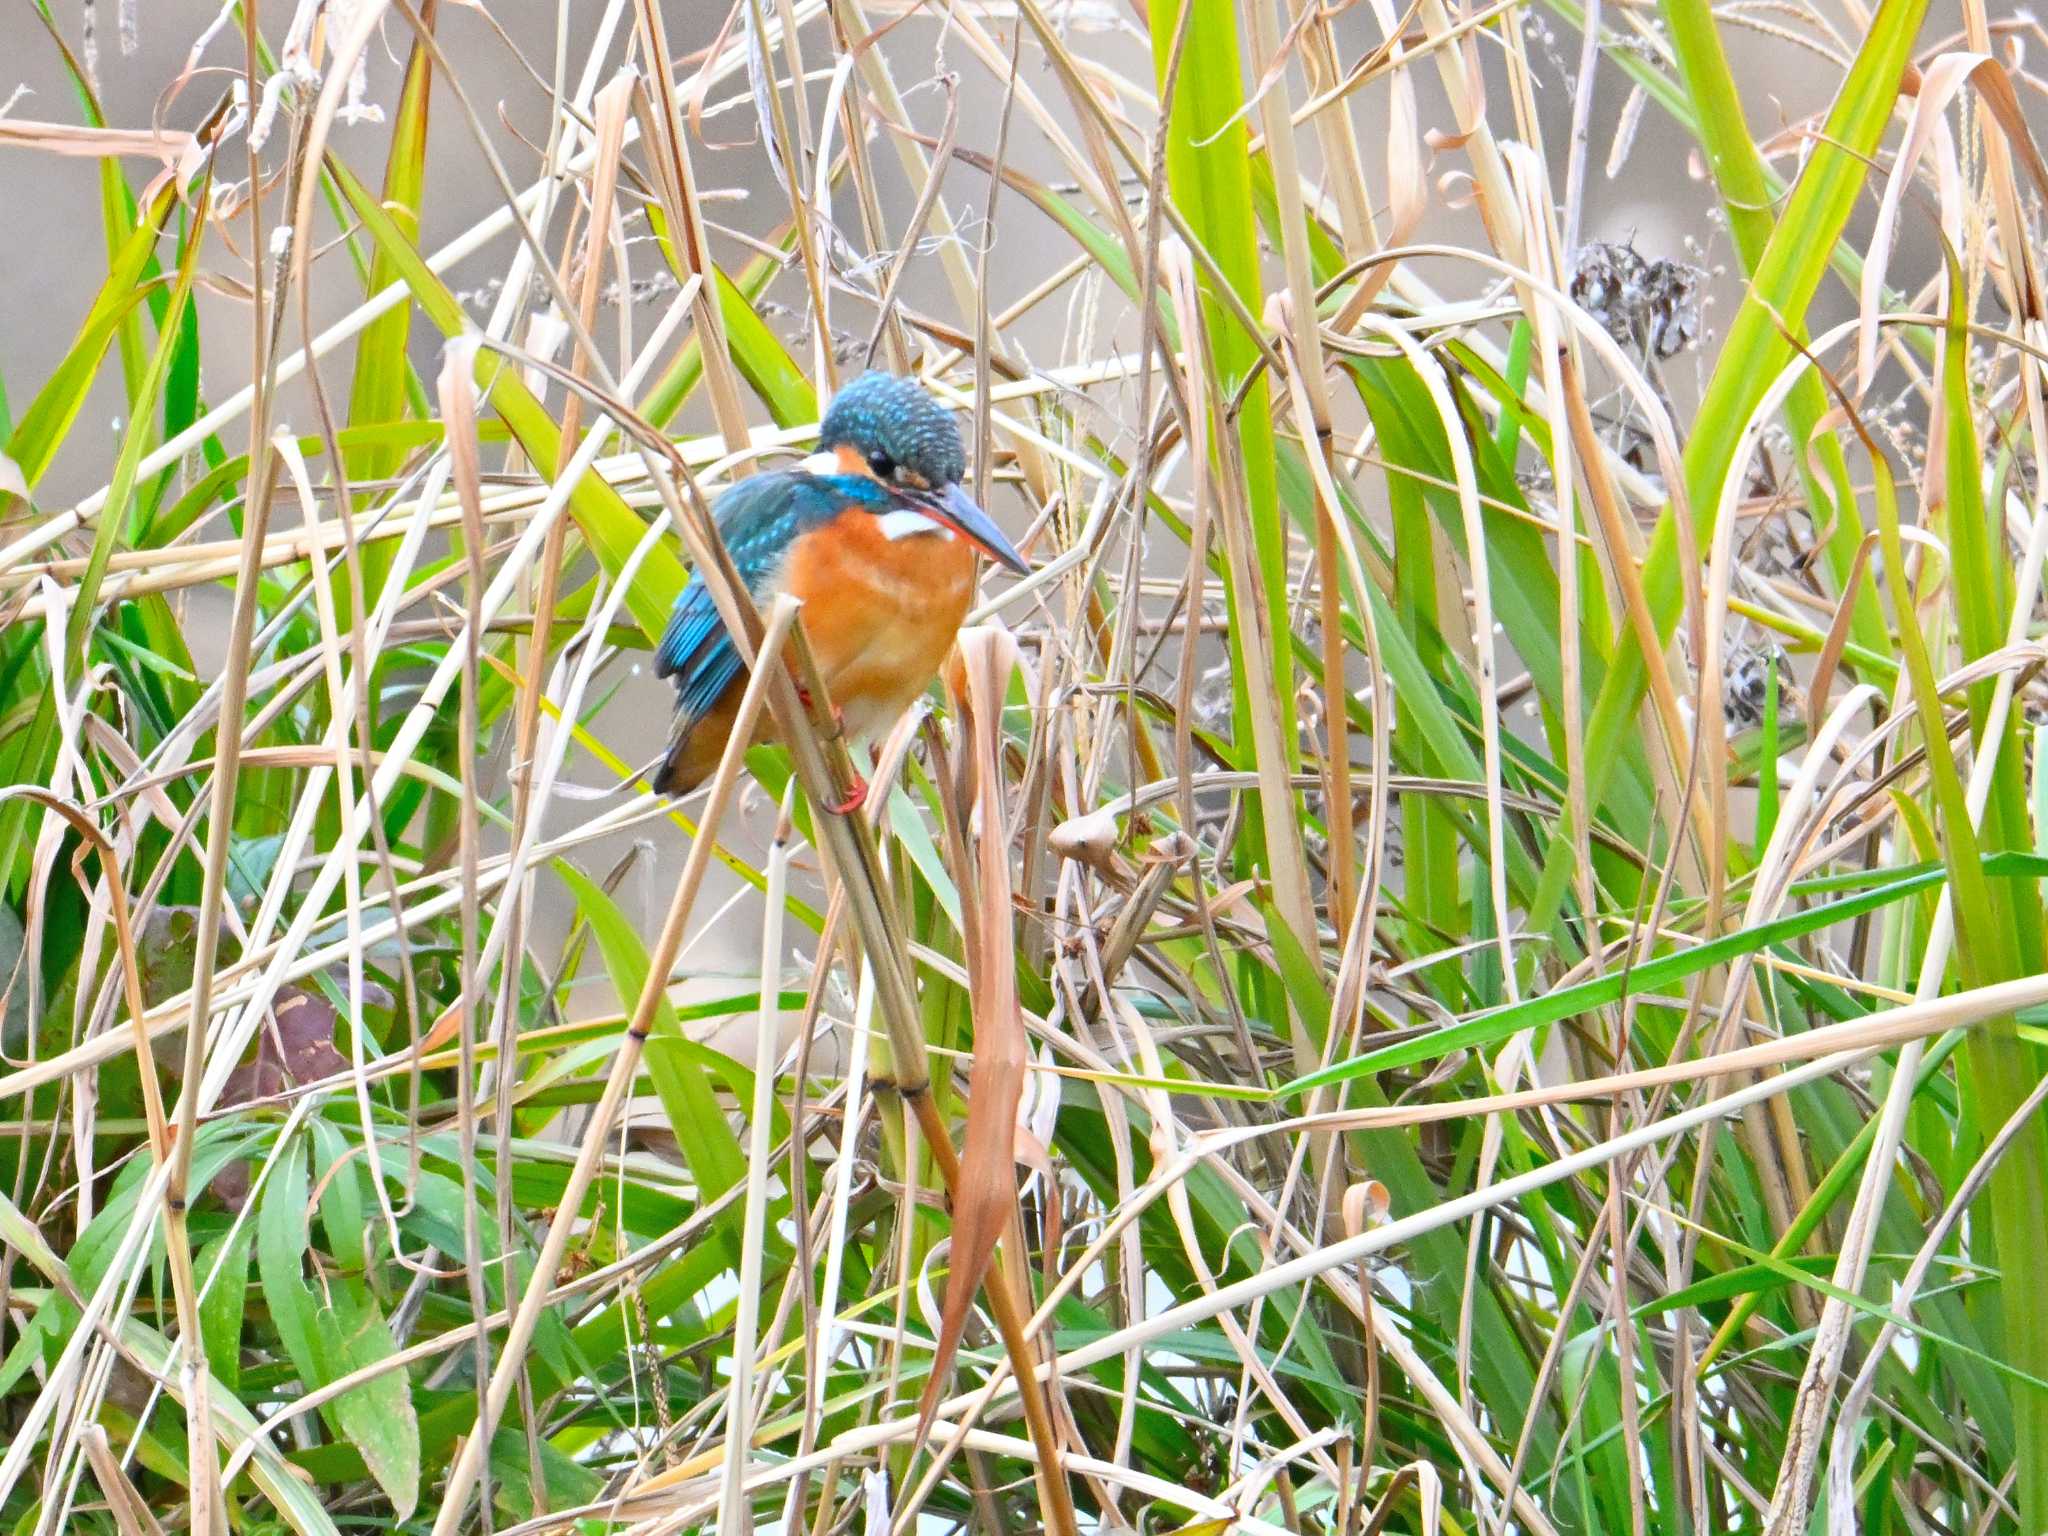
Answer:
(1378, 1106)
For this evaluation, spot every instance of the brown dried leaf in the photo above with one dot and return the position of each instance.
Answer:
(295, 1047)
(987, 1191)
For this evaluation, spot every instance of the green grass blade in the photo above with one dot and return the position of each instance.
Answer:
(379, 391)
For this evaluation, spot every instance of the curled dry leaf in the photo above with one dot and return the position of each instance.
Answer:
(295, 1048)
(1366, 1204)
(1090, 839)
(987, 1192)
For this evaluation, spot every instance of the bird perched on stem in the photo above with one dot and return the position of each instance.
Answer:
(877, 540)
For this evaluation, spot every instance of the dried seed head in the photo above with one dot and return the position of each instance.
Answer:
(1745, 683)
(1652, 306)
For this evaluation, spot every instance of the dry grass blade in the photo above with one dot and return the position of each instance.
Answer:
(131, 1514)
(456, 387)
(735, 1514)
(170, 147)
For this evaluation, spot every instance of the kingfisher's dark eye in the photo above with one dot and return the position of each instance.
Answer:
(883, 466)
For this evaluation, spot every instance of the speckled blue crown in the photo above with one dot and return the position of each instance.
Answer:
(886, 413)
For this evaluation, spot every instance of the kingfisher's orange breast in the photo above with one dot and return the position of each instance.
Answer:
(880, 613)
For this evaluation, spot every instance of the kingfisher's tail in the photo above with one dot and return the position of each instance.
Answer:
(680, 772)
(700, 742)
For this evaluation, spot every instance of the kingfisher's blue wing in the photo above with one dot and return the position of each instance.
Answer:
(758, 520)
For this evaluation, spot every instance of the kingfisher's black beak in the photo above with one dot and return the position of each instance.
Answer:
(955, 508)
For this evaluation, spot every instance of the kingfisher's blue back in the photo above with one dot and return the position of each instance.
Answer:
(759, 520)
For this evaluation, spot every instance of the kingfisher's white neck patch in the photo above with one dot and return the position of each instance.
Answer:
(826, 463)
(902, 523)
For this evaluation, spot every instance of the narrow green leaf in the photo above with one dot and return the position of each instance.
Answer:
(280, 1257)
(1786, 277)
(1748, 194)
(680, 380)
(341, 1197)
(56, 405)
(762, 360)
(378, 1416)
(378, 393)
(37, 753)
(225, 1302)
(1497, 1024)
(28, 1348)
(1208, 168)
(1744, 1280)
(1767, 763)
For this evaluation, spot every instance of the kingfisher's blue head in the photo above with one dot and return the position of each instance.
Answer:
(891, 428)
(899, 431)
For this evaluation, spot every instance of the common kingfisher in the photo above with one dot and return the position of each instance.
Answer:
(877, 540)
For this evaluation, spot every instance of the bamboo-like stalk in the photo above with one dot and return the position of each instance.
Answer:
(458, 410)
(660, 961)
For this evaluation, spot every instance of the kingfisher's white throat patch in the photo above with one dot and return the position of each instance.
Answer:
(902, 523)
